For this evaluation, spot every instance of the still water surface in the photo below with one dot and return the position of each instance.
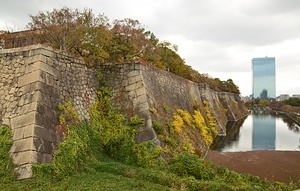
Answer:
(260, 132)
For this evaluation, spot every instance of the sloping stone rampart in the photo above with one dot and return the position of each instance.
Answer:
(155, 95)
(34, 79)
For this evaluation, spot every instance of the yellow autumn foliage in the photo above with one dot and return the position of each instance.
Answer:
(177, 123)
(183, 123)
(186, 116)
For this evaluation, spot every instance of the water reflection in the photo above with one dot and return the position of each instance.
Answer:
(260, 131)
(263, 132)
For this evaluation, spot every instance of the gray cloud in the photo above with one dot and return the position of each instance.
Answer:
(226, 23)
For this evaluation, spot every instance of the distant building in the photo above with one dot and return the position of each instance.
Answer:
(263, 78)
(264, 94)
(296, 96)
(18, 39)
(245, 98)
(283, 97)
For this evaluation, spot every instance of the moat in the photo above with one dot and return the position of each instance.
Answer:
(260, 132)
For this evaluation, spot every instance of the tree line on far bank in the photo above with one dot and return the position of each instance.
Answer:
(98, 41)
(291, 105)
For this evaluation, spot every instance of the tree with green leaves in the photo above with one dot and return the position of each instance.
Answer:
(293, 101)
(131, 41)
(72, 30)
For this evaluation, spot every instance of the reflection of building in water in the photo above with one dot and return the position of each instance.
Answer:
(263, 132)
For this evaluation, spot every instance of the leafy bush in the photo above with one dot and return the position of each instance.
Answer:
(68, 116)
(7, 172)
(187, 164)
(74, 152)
(158, 127)
(148, 154)
(116, 138)
(293, 101)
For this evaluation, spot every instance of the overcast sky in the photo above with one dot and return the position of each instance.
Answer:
(217, 37)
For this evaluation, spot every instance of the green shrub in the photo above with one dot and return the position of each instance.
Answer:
(7, 172)
(68, 116)
(74, 152)
(158, 127)
(147, 154)
(116, 138)
(187, 164)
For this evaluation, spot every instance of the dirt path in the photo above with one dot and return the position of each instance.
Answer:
(282, 166)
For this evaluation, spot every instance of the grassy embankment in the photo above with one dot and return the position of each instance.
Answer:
(102, 155)
(100, 172)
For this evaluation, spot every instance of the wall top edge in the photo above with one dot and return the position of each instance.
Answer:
(42, 47)
(26, 48)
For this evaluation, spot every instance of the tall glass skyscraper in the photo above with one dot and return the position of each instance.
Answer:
(264, 78)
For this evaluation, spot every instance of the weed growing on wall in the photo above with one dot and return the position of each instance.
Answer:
(212, 122)
(7, 172)
(68, 116)
(158, 127)
(191, 132)
(205, 132)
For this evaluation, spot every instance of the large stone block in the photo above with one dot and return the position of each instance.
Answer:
(45, 100)
(22, 145)
(21, 110)
(39, 65)
(29, 157)
(17, 134)
(145, 135)
(134, 79)
(45, 88)
(40, 119)
(23, 120)
(34, 76)
(28, 98)
(37, 57)
(133, 73)
(43, 146)
(24, 171)
(48, 52)
(134, 86)
(26, 157)
(45, 134)
(34, 131)
(24, 89)
(140, 91)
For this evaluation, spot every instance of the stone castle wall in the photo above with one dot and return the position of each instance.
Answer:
(35, 79)
(155, 94)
